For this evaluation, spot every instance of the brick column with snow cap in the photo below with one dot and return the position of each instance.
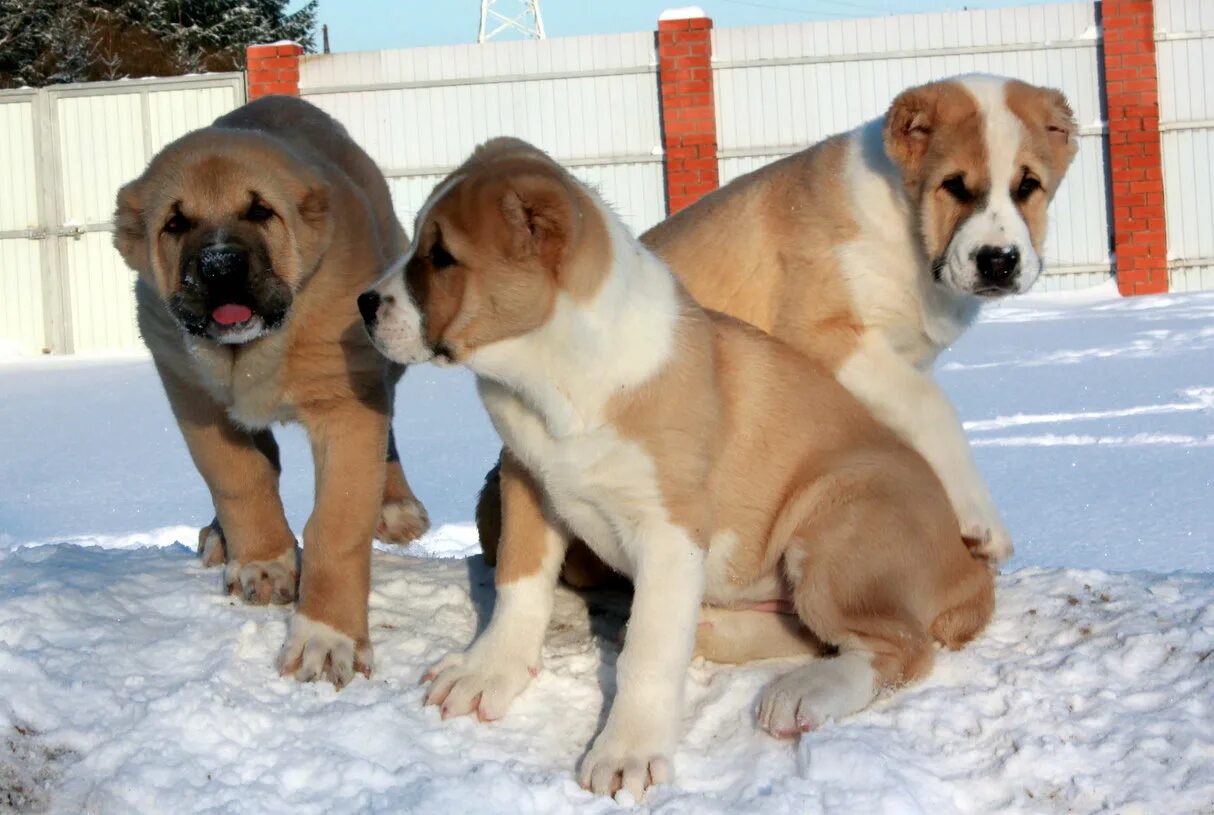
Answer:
(273, 68)
(689, 113)
(1132, 90)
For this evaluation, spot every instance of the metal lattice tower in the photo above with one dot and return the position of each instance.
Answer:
(520, 16)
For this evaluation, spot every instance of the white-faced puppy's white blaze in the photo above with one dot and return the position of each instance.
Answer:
(699, 457)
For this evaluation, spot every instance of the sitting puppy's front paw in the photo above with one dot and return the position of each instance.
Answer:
(475, 682)
(631, 761)
(260, 582)
(314, 651)
(402, 521)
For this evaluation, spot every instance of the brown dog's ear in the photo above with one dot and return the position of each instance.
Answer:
(314, 206)
(130, 228)
(541, 216)
(908, 128)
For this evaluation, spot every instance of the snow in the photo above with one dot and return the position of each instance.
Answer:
(682, 13)
(128, 683)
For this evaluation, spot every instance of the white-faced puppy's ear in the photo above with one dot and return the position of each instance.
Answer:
(908, 128)
(542, 218)
(130, 227)
(1061, 130)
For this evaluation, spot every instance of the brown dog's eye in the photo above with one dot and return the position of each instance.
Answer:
(1027, 187)
(440, 258)
(258, 213)
(178, 224)
(954, 185)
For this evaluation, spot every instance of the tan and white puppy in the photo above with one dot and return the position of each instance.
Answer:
(872, 252)
(692, 453)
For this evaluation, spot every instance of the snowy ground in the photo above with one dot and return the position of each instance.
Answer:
(129, 684)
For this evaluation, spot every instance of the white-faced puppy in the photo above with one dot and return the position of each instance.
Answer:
(691, 452)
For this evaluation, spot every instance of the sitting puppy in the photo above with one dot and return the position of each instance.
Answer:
(691, 452)
(252, 239)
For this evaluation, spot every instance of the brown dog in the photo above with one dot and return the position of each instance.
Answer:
(702, 458)
(253, 239)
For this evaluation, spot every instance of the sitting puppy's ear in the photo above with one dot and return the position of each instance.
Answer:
(130, 228)
(908, 129)
(542, 218)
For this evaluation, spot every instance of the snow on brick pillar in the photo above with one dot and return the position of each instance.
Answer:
(273, 69)
(1139, 231)
(689, 117)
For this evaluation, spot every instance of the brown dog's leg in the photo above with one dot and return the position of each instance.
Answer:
(328, 633)
(402, 518)
(253, 535)
(212, 548)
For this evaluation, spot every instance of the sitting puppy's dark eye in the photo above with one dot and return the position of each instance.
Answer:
(954, 185)
(1027, 187)
(258, 213)
(440, 258)
(177, 225)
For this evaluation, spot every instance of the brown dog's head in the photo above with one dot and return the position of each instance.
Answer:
(495, 245)
(226, 225)
(981, 157)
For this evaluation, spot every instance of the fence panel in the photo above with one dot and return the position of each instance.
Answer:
(592, 102)
(21, 317)
(781, 88)
(1184, 43)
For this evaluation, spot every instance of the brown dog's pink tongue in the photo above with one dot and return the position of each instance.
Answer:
(231, 314)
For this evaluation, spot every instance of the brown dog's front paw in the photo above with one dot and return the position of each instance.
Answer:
(315, 650)
(259, 582)
(402, 521)
(212, 549)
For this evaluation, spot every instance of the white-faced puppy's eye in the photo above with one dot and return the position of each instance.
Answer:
(1028, 186)
(954, 185)
(177, 224)
(440, 258)
(258, 212)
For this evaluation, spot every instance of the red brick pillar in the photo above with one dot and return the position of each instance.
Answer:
(1139, 232)
(273, 69)
(689, 114)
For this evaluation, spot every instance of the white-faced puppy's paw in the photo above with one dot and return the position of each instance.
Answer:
(212, 548)
(477, 681)
(632, 758)
(315, 650)
(260, 582)
(984, 533)
(402, 521)
(821, 691)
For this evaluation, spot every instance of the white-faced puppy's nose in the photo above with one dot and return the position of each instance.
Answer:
(998, 266)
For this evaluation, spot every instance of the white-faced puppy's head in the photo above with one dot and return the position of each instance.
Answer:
(981, 157)
(225, 225)
(494, 246)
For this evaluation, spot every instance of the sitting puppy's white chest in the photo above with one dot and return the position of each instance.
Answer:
(602, 487)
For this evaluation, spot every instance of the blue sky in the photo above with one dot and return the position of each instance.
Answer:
(362, 25)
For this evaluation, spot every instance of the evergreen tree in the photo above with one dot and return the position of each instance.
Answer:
(44, 42)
